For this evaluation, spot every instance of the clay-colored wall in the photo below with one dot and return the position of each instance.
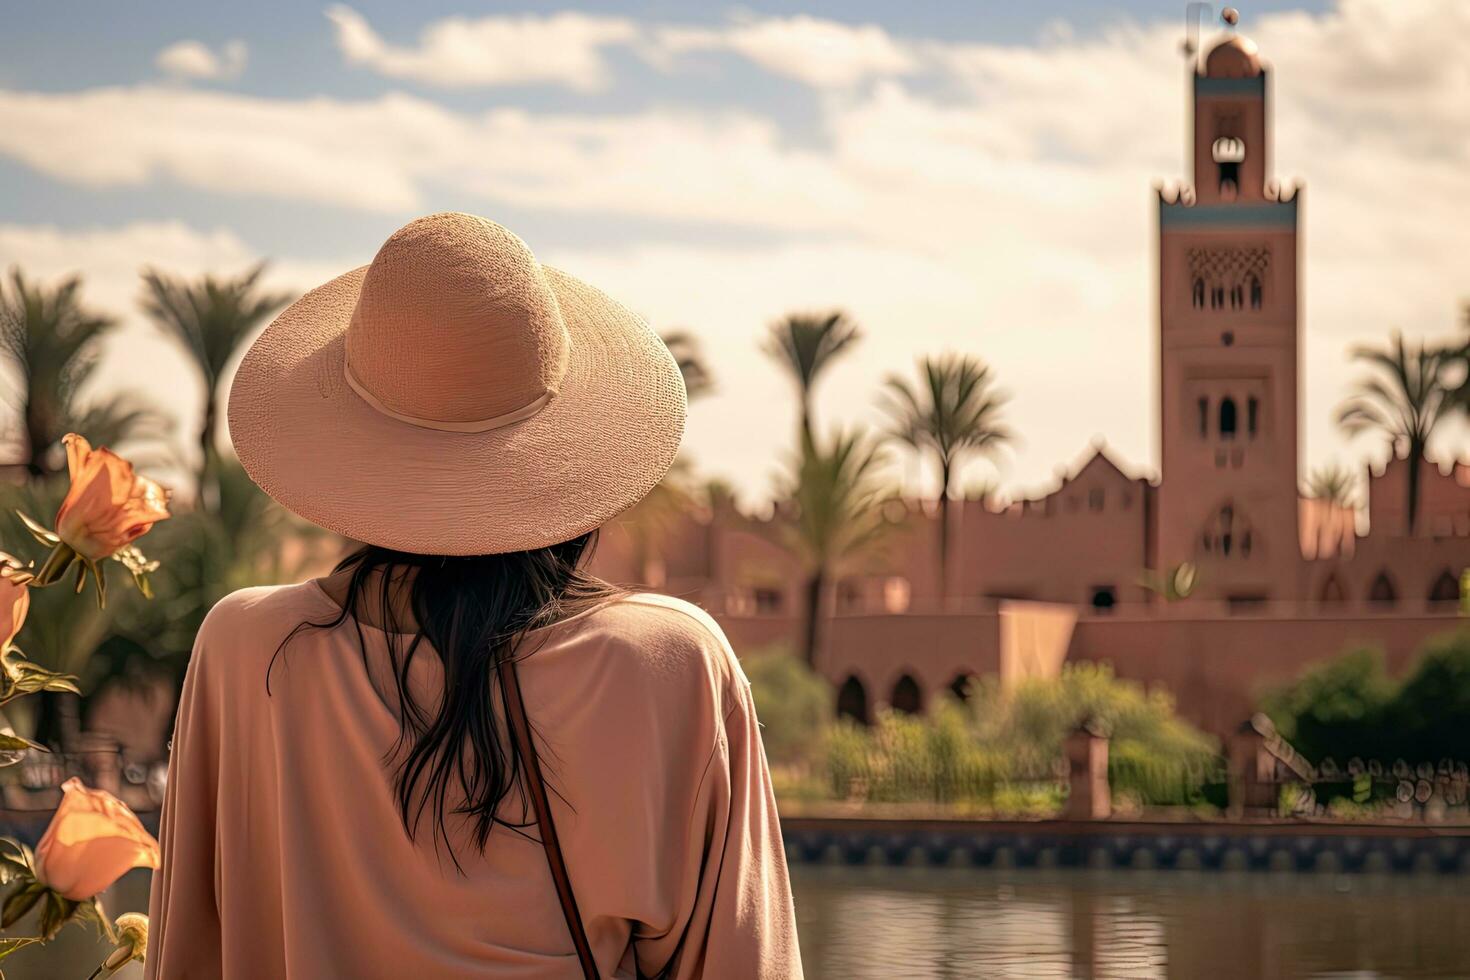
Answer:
(1035, 638)
(1444, 500)
(1217, 667)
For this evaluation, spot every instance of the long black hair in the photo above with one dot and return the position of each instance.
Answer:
(473, 612)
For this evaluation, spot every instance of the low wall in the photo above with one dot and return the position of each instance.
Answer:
(1139, 845)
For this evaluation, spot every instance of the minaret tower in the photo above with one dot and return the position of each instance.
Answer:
(1228, 345)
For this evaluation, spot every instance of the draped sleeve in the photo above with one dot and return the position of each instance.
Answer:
(666, 811)
(184, 938)
(740, 917)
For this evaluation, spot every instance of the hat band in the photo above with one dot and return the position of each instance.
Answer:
(474, 425)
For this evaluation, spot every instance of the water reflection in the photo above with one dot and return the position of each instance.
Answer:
(864, 923)
(877, 922)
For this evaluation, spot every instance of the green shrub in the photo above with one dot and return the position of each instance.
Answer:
(793, 703)
(1153, 747)
(1430, 716)
(1348, 706)
(1003, 751)
(907, 758)
(1337, 708)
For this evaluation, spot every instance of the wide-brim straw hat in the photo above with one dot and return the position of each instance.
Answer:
(456, 397)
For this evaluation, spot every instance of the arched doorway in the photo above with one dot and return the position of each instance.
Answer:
(1227, 418)
(1446, 588)
(906, 696)
(960, 686)
(852, 701)
(1382, 590)
(1332, 590)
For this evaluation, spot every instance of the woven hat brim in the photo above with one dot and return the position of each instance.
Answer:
(597, 448)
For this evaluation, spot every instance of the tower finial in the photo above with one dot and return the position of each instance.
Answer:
(1230, 16)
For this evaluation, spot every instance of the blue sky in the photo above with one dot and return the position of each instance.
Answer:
(960, 176)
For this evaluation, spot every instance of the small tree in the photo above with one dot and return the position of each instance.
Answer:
(805, 344)
(211, 318)
(952, 415)
(50, 340)
(1333, 483)
(832, 508)
(1404, 398)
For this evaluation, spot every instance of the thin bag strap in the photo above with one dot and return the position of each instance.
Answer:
(520, 729)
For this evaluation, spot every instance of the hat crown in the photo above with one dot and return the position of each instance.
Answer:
(456, 326)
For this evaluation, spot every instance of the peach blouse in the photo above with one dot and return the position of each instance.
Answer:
(284, 854)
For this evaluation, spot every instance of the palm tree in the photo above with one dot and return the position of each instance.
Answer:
(833, 513)
(650, 520)
(210, 318)
(952, 414)
(1333, 483)
(805, 343)
(50, 340)
(1404, 398)
(689, 355)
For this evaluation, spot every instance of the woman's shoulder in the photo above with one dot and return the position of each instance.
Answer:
(248, 612)
(657, 638)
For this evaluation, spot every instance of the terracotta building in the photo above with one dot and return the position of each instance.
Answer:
(1282, 580)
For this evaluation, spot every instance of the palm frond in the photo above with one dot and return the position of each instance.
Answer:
(210, 317)
(955, 412)
(688, 353)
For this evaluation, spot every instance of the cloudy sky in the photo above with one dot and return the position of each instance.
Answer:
(973, 177)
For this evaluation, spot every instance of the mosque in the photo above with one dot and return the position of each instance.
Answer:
(1280, 580)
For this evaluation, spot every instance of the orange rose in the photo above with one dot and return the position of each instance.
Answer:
(92, 841)
(108, 506)
(15, 598)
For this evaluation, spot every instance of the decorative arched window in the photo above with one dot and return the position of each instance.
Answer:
(1256, 295)
(960, 687)
(1446, 588)
(1228, 151)
(852, 701)
(1228, 534)
(1382, 590)
(1217, 297)
(1198, 294)
(906, 696)
(1332, 590)
(1227, 418)
(1237, 296)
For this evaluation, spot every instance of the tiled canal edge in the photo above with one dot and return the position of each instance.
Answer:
(1326, 848)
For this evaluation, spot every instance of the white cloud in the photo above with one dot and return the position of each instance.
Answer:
(380, 155)
(1011, 216)
(456, 52)
(820, 53)
(137, 356)
(194, 59)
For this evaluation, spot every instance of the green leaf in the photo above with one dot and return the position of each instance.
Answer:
(19, 902)
(13, 748)
(39, 531)
(56, 913)
(21, 856)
